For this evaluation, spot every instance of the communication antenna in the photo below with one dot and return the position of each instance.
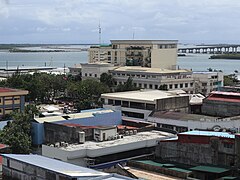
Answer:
(99, 34)
(133, 34)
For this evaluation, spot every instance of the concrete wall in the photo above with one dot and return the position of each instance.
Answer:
(214, 153)
(173, 103)
(164, 58)
(220, 108)
(62, 133)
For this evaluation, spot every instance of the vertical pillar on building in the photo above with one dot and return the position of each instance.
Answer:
(22, 103)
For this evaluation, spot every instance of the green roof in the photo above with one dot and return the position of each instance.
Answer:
(105, 45)
(228, 177)
(149, 162)
(180, 170)
(209, 169)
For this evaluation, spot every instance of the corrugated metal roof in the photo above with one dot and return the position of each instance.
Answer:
(56, 165)
(209, 169)
(180, 116)
(209, 133)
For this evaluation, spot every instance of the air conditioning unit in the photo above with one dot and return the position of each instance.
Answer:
(57, 144)
(81, 137)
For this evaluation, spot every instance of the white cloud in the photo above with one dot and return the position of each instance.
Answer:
(4, 10)
(178, 19)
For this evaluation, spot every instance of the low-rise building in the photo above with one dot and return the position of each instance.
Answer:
(201, 148)
(182, 122)
(145, 53)
(75, 70)
(223, 104)
(206, 82)
(93, 117)
(20, 167)
(94, 70)
(100, 155)
(11, 100)
(153, 78)
(139, 104)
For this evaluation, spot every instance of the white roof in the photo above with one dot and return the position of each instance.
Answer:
(141, 95)
(140, 69)
(51, 108)
(95, 149)
(85, 114)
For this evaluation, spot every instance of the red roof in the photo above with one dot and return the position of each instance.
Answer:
(224, 96)
(127, 127)
(7, 90)
(79, 125)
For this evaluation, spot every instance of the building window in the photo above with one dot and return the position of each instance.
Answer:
(175, 86)
(135, 84)
(227, 145)
(140, 85)
(145, 85)
(204, 84)
(181, 85)
(90, 74)
(86, 74)
(95, 75)
(110, 101)
(191, 84)
(109, 52)
(186, 85)
(170, 86)
(150, 86)
(156, 86)
(143, 75)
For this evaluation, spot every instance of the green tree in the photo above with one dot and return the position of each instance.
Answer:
(163, 87)
(230, 80)
(86, 94)
(128, 86)
(107, 79)
(16, 134)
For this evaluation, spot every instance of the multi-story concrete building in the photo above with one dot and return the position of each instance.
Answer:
(205, 81)
(139, 104)
(11, 99)
(145, 53)
(153, 78)
(94, 70)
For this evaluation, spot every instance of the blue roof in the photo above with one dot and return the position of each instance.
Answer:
(210, 133)
(60, 167)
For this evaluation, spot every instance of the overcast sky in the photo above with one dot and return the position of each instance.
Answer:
(76, 21)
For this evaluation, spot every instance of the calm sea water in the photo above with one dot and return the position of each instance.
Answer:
(196, 62)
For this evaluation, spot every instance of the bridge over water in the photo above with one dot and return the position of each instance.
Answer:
(211, 49)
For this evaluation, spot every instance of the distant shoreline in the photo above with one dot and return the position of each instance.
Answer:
(33, 51)
(226, 56)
